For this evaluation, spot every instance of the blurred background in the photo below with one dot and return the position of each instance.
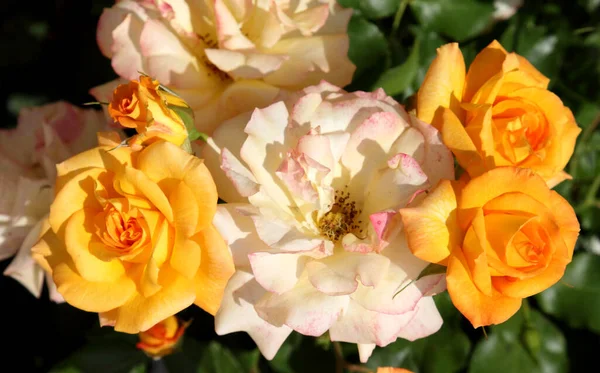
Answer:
(48, 52)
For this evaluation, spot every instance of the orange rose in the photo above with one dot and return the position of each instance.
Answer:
(499, 114)
(504, 236)
(144, 106)
(131, 235)
(392, 370)
(162, 338)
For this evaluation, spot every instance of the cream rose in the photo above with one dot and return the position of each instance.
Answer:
(315, 234)
(226, 57)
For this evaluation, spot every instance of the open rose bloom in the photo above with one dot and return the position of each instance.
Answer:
(316, 239)
(226, 57)
(130, 234)
(497, 113)
(503, 235)
(45, 136)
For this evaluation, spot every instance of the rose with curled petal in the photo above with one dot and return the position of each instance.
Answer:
(498, 113)
(503, 236)
(143, 106)
(45, 135)
(226, 57)
(131, 234)
(315, 235)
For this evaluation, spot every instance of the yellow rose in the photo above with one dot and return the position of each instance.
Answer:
(131, 234)
(162, 338)
(143, 106)
(504, 236)
(499, 113)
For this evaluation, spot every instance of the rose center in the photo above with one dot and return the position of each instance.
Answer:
(117, 230)
(341, 219)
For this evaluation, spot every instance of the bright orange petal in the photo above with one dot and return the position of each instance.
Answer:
(185, 256)
(527, 67)
(430, 226)
(480, 131)
(477, 307)
(77, 194)
(527, 287)
(457, 139)
(86, 295)
(79, 233)
(474, 249)
(90, 159)
(216, 268)
(163, 162)
(443, 83)
(141, 313)
(485, 65)
(565, 218)
(496, 182)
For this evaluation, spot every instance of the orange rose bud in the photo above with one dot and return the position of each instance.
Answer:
(392, 370)
(144, 106)
(498, 113)
(503, 235)
(130, 108)
(162, 338)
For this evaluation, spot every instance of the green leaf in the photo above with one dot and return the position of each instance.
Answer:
(576, 298)
(446, 351)
(368, 50)
(281, 361)
(521, 346)
(457, 19)
(112, 351)
(372, 9)
(212, 358)
(590, 5)
(540, 47)
(395, 80)
(219, 359)
(249, 359)
(187, 358)
(301, 354)
(429, 42)
(140, 368)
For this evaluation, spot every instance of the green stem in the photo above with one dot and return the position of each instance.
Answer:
(399, 14)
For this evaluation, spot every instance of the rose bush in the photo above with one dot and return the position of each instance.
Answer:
(45, 135)
(315, 234)
(130, 234)
(226, 57)
(499, 113)
(504, 236)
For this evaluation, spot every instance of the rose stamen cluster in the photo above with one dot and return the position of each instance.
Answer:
(341, 219)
